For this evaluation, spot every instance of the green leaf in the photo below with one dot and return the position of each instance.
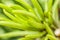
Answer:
(38, 7)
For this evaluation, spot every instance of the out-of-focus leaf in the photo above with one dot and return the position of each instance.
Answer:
(1, 30)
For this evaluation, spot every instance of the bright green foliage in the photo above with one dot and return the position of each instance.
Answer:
(28, 20)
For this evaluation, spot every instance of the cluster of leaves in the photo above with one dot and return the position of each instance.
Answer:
(28, 19)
